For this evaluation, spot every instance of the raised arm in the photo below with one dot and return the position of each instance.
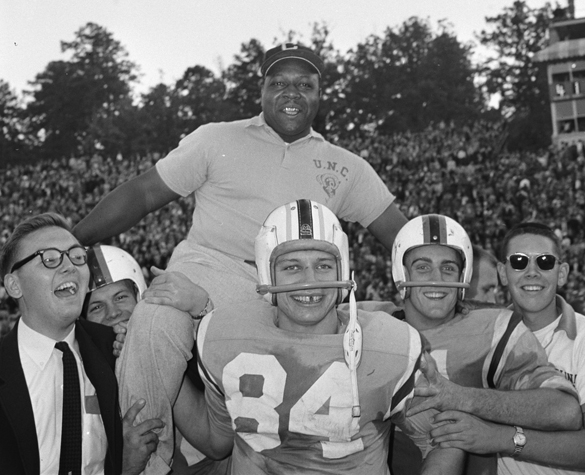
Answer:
(125, 206)
(562, 449)
(386, 226)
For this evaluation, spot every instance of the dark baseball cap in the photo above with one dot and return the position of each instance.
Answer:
(291, 51)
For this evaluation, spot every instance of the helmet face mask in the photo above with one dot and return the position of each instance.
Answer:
(301, 225)
(109, 264)
(432, 229)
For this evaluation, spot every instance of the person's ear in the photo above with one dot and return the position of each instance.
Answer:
(563, 274)
(12, 286)
(502, 273)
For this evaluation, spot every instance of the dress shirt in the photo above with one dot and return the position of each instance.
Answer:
(43, 370)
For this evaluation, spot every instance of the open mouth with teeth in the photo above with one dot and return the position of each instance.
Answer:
(433, 294)
(307, 299)
(291, 110)
(66, 289)
(532, 288)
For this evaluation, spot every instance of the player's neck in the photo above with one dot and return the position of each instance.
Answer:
(422, 322)
(535, 320)
(330, 325)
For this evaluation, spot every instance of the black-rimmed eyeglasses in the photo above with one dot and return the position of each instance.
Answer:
(519, 261)
(52, 257)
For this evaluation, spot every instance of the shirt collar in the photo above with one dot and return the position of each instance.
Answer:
(260, 122)
(38, 346)
(568, 323)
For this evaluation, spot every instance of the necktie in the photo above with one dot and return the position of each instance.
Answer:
(70, 460)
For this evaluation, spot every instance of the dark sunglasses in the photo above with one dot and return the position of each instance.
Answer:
(519, 261)
(52, 257)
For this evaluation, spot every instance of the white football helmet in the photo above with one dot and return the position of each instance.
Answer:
(301, 225)
(425, 230)
(109, 264)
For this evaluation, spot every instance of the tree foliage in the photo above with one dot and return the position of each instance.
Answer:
(159, 119)
(199, 96)
(513, 38)
(76, 103)
(409, 77)
(243, 81)
(13, 136)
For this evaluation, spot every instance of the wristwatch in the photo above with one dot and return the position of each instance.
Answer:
(208, 308)
(519, 440)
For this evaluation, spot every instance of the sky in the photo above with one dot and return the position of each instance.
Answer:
(165, 37)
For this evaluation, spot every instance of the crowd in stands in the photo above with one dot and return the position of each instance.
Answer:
(459, 172)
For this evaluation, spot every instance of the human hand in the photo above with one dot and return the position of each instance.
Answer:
(464, 431)
(176, 290)
(440, 393)
(120, 330)
(139, 440)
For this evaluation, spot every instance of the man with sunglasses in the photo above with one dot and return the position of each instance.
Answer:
(52, 362)
(533, 271)
(494, 365)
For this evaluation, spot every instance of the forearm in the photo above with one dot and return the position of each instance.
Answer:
(125, 206)
(117, 212)
(544, 409)
(192, 419)
(443, 462)
(561, 449)
(386, 226)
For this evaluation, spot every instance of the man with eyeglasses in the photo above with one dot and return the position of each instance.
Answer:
(533, 271)
(59, 407)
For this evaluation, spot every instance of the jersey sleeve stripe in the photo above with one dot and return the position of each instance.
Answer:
(497, 354)
(405, 387)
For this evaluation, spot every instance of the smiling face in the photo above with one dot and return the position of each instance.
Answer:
(290, 98)
(312, 310)
(112, 303)
(532, 289)
(428, 307)
(50, 299)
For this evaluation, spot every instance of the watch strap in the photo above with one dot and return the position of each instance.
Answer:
(519, 441)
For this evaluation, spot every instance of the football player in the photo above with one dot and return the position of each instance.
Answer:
(532, 268)
(288, 383)
(115, 286)
(486, 352)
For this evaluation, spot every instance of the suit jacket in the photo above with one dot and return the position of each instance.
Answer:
(19, 453)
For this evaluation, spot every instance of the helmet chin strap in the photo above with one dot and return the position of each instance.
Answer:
(352, 338)
(352, 350)
(276, 289)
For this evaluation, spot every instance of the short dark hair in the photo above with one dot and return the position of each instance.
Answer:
(530, 227)
(26, 227)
